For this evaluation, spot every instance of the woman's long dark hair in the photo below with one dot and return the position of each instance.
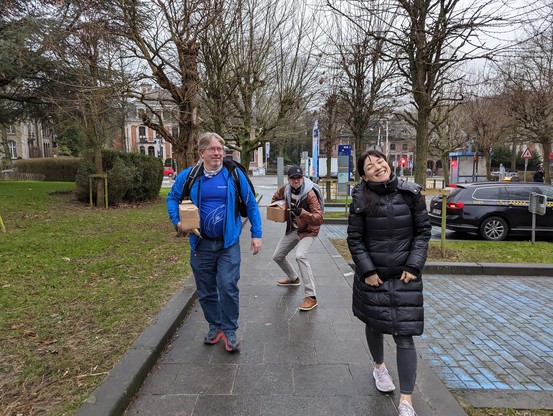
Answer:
(369, 200)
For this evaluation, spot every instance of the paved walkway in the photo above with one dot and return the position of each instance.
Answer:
(292, 362)
(488, 342)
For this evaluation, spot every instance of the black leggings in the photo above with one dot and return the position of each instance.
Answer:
(406, 357)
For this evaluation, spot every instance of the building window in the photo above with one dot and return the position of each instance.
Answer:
(175, 131)
(12, 149)
(392, 146)
(404, 146)
(142, 150)
(151, 151)
(142, 132)
(11, 129)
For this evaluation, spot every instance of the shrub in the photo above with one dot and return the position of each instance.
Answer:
(54, 169)
(132, 177)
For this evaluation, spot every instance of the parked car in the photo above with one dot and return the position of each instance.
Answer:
(507, 177)
(168, 171)
(494, 210)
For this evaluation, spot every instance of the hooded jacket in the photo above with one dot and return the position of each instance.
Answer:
(393, 240)
(311, 217)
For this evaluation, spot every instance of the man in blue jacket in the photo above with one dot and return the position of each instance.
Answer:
(215, 256)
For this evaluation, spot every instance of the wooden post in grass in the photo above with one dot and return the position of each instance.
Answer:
(2, 226)
(444, 193)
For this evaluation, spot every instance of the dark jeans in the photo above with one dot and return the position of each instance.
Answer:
(406, 357)
(217, 271)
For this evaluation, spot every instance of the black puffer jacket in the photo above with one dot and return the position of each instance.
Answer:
(387, 243)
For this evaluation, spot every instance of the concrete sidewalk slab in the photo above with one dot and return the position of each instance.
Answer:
(314, 362)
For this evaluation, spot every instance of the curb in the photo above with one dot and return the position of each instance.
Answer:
(507, 269)
(487, 269)
(124, 380)
(117, 390)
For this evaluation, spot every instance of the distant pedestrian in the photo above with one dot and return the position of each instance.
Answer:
(388, 233)
(215, 256)
(304, 216)
(539, 175)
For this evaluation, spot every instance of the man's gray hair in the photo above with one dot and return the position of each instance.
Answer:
(205, 138)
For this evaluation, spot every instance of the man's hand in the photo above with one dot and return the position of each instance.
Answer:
(373, 280)
(255, 246)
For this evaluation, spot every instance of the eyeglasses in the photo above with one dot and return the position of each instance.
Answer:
(214, 149)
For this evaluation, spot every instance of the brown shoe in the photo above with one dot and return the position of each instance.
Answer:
(286, 282)
(308, 303)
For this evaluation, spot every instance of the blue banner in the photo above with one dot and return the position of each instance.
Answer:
(315, 156)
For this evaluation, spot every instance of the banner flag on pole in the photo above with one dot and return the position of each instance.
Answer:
(315, 172)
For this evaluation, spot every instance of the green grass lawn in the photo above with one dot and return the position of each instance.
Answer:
(77, 286)
(479, 251)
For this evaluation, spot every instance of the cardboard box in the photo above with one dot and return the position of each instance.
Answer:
(276, 211)
(189, 215)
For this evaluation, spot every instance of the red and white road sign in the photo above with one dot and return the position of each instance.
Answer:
(526, 154)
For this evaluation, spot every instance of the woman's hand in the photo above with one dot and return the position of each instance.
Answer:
(407, 277)
(373, 280)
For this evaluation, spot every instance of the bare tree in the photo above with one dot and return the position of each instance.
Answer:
(163, 35)
(487, 123)
(434, 38)
(446, 134)
(330, 125)
(85, 88)
(528, 85)
(365, 68)
(258, 85)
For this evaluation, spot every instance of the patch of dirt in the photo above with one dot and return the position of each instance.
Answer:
(435, 254)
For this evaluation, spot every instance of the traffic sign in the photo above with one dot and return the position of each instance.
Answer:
(526, 154)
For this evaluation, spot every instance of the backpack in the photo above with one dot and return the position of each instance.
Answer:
(232, 167)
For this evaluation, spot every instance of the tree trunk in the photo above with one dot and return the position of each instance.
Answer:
(546, 147)
(100, 190)
(445, 166)
(421, 147)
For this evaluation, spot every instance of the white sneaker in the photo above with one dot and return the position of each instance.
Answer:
(405, 409)
(383, 380)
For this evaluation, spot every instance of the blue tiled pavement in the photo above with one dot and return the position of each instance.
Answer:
(491, 332)
(486, 332)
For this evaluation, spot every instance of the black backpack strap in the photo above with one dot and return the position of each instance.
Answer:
(232, 168)
(194, 173)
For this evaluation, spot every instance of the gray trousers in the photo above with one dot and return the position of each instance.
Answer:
(287, 244)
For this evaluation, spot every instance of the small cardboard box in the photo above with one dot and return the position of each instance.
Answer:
(189, 215)
(277, 211)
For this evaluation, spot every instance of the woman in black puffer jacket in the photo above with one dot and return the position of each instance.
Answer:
(388, 233)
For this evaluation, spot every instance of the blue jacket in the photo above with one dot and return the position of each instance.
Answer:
(233, 223)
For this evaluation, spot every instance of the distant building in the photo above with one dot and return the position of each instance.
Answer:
(29, 139)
